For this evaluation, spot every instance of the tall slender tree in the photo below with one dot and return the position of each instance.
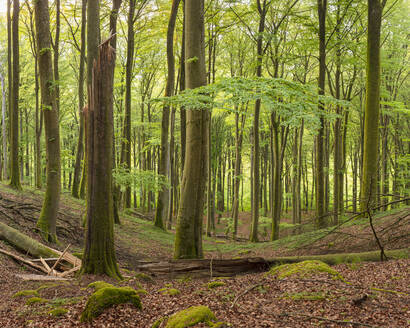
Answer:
(188, 239)
(161, 213)
(48, 216)
(371, 123)
(14, 107)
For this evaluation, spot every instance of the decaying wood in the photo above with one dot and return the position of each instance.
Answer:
(37, 277)
(59, 259)
(33, 247)
(22, 260)
(66, 273)
(202, 268)
(231, 267)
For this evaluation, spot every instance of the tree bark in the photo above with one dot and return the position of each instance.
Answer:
(161, 213)
(320, 152)
(188, 239)
(75, 191)
(48, 216)
(99, 253)
(371, 124)
(14, 112)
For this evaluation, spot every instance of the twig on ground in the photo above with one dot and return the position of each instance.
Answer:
(244, 293)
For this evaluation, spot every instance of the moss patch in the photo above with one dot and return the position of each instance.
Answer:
(169, 291)
(191, 316)
(215, 284)
(304, 269)
(27, 292)
(97, 285)
(141, 292)
(158, 322)
(107, 297)
(58, 312)
(35, 300)
(143, 277)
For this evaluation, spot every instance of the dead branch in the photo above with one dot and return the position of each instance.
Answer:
(244, 293)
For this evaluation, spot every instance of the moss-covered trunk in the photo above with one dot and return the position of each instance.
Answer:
(48, 216)
(188, 239)
(371, 124)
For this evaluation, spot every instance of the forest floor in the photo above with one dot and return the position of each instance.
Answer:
(371, 295)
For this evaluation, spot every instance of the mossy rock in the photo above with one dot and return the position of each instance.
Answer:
(169, 291)
(27, 292)
(304, 269)
(191, 316)
(215, 284)
(97, 285)
(57, 312)
(143, 277)
(35, 300)
(107, 297)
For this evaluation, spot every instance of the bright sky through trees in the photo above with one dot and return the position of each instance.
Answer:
(3, 6)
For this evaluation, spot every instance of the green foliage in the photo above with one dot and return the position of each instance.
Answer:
(135, 179)
(107, 297)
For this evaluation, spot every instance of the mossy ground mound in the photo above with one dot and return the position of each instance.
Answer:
(169, 291)
(304, 269)
(57, 312)
(97, 285)
(143, 277)
(27, 292)
(192, 316)
(35, 300)
(215, 284)
(107, 297)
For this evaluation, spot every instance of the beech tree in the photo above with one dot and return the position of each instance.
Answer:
(48, 217)
(188, 238)
(371, 124)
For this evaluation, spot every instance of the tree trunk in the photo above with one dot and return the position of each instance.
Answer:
(262, 9)
(99, 253)
(3, 124)
(320, 152)
(161, 213)
(75, 191)
(188, 239)
(14, 108)
(371, 125)
(48, 216)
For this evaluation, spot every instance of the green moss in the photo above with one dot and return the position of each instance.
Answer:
(215, 284)
(190, 317)
(141, 292)
(45, 286)
(97, 285)
(158, 322)
(170, 291)
(79, 255)
(143, 277)
(303, 269)
(107, 297)
(63, 301)
(27, 292)
(57, 312)
(220, 325)
(35, 300)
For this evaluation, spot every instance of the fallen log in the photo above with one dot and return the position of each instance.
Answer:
(33, 247)
(230, 267)
(37, 277)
